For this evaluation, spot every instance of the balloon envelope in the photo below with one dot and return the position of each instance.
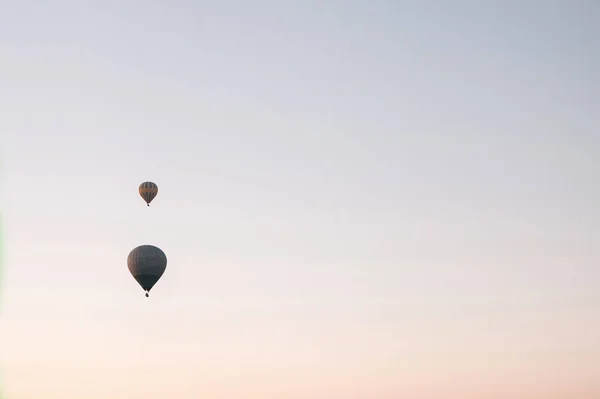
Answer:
(147, 264)
(148, 191)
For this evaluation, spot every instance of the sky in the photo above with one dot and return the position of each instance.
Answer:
(357, 199)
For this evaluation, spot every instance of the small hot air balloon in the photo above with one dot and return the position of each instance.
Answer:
(147, 264)
(148, 191)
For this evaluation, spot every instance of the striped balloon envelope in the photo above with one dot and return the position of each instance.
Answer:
(147, 264)
(148, 191)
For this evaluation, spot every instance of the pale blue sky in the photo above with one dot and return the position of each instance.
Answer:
(380, 187)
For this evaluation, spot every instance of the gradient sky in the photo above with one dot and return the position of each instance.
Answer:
(358, 199)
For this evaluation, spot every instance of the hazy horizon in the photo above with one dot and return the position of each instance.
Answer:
(357, 200)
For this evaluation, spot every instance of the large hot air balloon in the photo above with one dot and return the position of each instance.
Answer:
(148, 191)
(147, 264)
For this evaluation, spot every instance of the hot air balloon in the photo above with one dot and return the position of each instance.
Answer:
(147, 264)
(148, 191)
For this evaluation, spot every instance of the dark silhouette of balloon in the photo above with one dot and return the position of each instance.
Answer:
(148, 191)
(147, 264)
